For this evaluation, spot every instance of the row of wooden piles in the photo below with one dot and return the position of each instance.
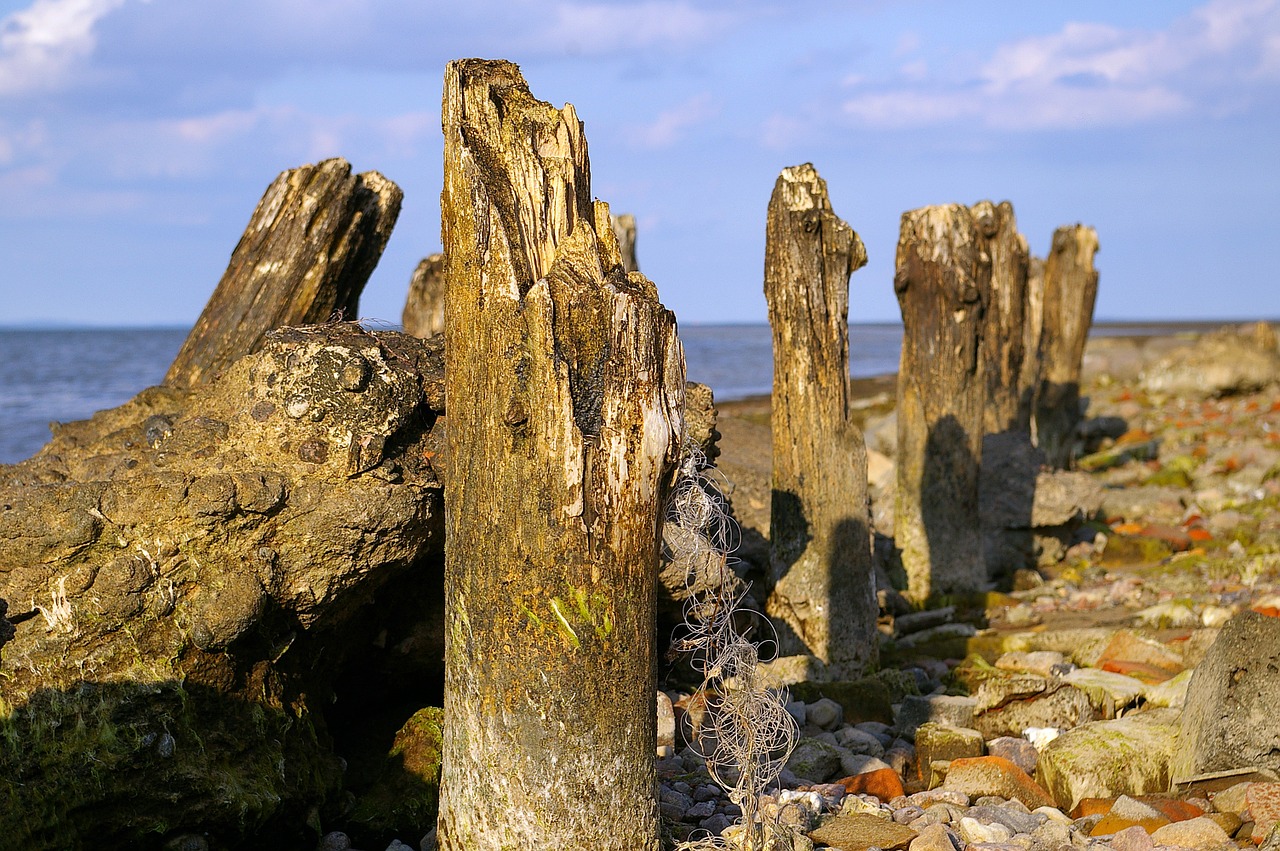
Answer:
(565, 389)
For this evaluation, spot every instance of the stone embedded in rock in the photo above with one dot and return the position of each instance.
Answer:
(1229, 718)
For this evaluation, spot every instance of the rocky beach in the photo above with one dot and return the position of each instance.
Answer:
(1119, 695)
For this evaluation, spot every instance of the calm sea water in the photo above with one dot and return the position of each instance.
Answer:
(64, 375)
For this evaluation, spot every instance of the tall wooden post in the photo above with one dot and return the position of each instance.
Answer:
(1033, 328)
(1070, 289)
(308, 251)
(820, 545)
(624, 228)
(1006, 317)
(943, 282)
(565, 383)
(423, 314)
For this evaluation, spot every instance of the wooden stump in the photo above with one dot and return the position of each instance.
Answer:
(1070, 289)
(943, 282)
(565, 384)
(624, 228)
(423, 314)
(308, 251)
(1004, 337)
(820, 548)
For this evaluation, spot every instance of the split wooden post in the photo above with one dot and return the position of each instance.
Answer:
(943, 282)
(820, 546)
(1033, 328)
(423, 314)
(1070, 290)
(308, 251)
(624, 228)
(1006, 318)
(565, 384)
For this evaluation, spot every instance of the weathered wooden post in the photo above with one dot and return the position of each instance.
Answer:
(943, 281)
(1006, 317)
(624, 228)
(1033, 328)
(423, 314)
(820, 545)
(306, 255)
(1070, 289)
(565, 384)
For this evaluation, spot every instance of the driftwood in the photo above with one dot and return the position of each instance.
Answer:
(1008, 400)
(824, 585)
(306, 255)
(943, 282)
(423, 314)
(1070, 289)
(565, 383)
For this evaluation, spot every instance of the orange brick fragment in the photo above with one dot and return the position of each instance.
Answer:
(1092, 807)
(884, 783)
(1114, 824)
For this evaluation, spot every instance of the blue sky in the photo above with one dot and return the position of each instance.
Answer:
(136, 136)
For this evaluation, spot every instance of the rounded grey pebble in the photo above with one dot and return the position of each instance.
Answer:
(335, 841)
(700, 811)
(908, 814)
(715, 824)
(707, 792)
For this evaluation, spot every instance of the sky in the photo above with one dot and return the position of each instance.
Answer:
(136, 136)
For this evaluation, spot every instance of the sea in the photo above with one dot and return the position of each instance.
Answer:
(61, 375)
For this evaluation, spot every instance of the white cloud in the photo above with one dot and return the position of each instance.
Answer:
(670, 125)
(1091, 74)
(42, 45)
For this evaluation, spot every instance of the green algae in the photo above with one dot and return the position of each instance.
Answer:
(111, 764)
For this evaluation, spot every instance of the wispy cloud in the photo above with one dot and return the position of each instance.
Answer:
(41, 45)
(594, 28)
(670, 126)
(1090, 75)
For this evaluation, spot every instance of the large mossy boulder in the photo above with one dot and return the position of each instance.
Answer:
(194, 578)
(1105, 759)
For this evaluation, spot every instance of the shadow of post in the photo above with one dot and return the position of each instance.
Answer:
(949, 510)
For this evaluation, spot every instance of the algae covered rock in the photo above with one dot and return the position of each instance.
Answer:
(1104, 759)
(200, 572)
(404, 797)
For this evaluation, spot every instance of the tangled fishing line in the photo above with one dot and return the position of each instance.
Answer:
(745, 733)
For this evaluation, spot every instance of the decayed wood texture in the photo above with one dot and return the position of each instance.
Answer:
(1070, 289)
(1032, 329)
(423, 314)
(1003, 338)
(308, 251)
(943, 281)
(624, 228)
(820, 548)
(565, 384)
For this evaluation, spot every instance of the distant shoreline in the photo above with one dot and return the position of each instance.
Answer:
(1106, 325)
